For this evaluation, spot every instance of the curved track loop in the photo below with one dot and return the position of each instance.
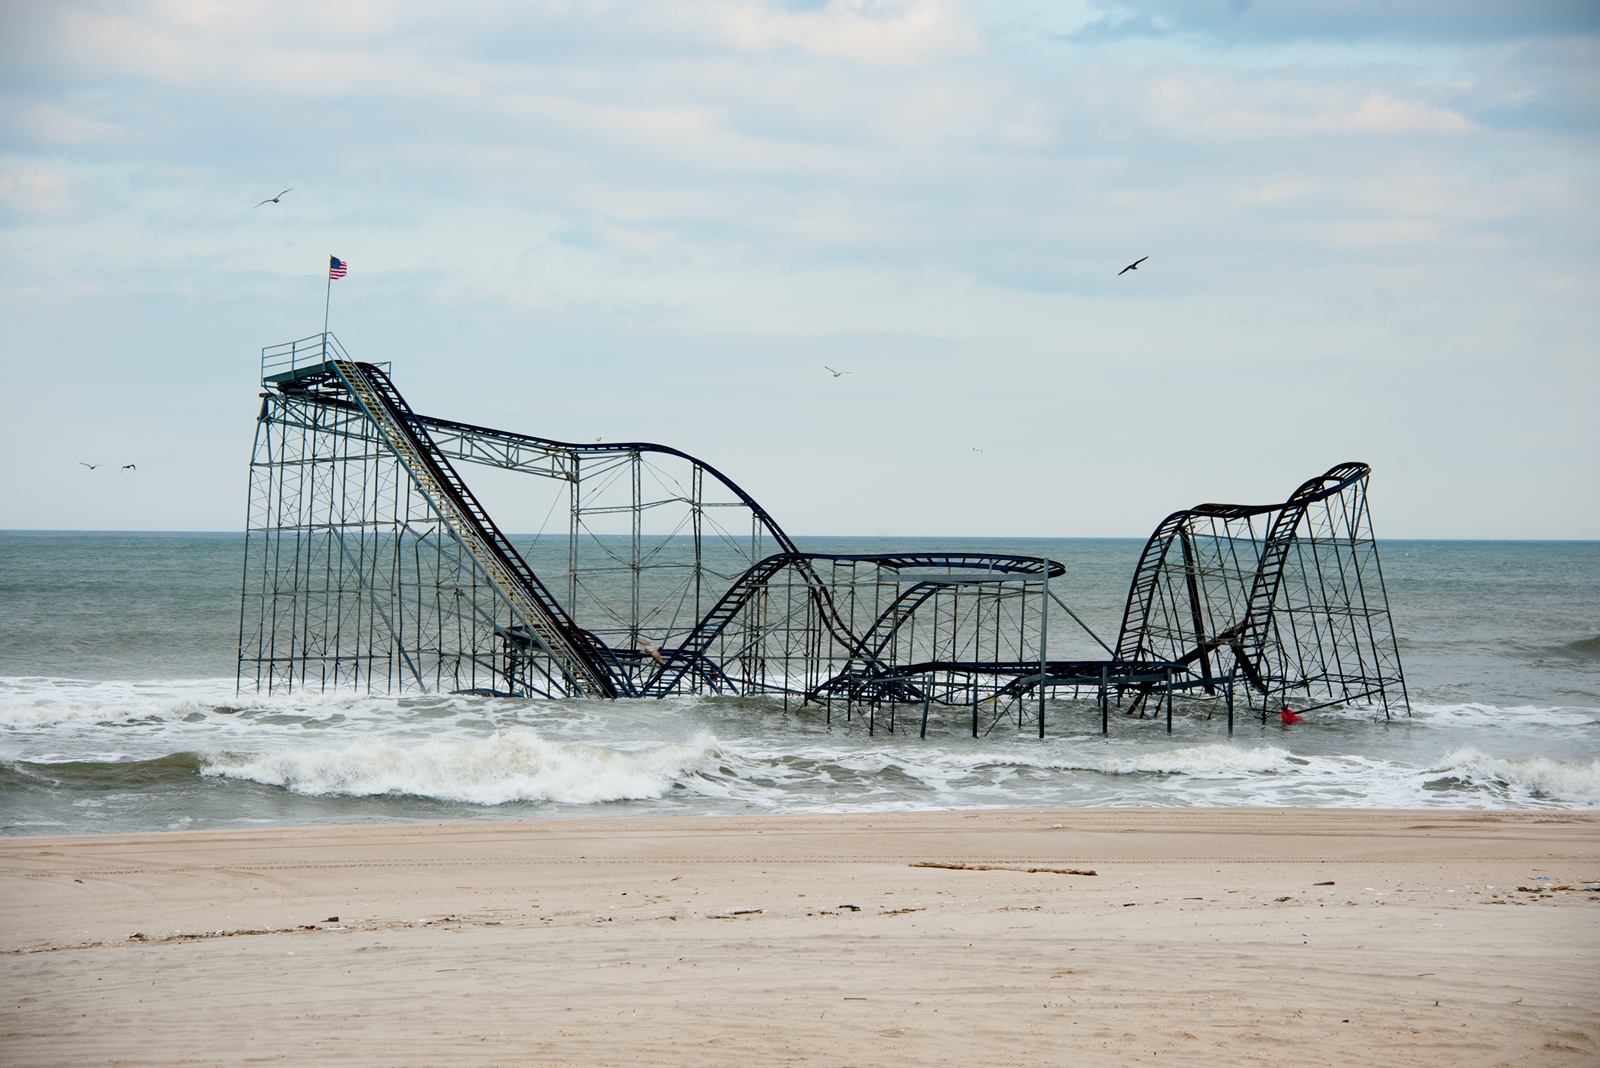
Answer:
(1221, 592)
(587, 664)
(867, 649)
(613, 447)
(669, 676)
(352, 492)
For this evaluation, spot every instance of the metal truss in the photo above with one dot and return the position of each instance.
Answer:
(371, 564)
(1285, 599)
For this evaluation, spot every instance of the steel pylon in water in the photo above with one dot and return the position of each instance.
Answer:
(370, 563)
(1286, 600)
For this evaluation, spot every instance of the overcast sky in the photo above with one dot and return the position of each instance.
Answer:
(1372, 232)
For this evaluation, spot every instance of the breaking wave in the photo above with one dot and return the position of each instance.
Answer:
(517, 766)
(1536, 778)
(1583, 649)
(1514, 717)
(35, 703)
(1203, 761)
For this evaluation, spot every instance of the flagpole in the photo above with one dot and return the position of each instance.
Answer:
(326, 297)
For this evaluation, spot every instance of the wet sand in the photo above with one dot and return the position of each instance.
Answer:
(1236, 936)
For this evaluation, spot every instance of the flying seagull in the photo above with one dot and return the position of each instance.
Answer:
(272, 200)
(89, 466)
(650, 649)
(836, 374)
(130, 467)
(1134, 266)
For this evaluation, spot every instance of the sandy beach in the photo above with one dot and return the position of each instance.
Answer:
(1201, 937)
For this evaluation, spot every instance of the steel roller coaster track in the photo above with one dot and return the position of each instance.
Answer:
(370, 563)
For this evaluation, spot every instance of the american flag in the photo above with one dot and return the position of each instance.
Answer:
(337, 268)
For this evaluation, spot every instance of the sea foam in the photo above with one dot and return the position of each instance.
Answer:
(513, 766)
(1537, 777)
(1204, 761)
(36, 702)
(1507, 717)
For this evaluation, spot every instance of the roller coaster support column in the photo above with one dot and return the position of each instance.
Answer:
(1167, 674)
(1230, 704)
(1044, 637)
(1105, 703)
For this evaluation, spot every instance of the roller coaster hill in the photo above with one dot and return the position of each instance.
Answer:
(370, 564)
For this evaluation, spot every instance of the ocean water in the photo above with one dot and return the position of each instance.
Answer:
(119, 712)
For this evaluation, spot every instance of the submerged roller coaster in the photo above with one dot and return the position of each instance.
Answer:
(371, 564)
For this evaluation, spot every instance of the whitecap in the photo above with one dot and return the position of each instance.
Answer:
(513, 766)
(1202, 761)
(34, 703)
(1534, 777)
(1516, 717)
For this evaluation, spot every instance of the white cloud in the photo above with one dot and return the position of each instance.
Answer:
(35, 190)
(1381, 114)
(1212, 105)
(54, 125)
(893, 32)
(1343, 21)
(732, 188)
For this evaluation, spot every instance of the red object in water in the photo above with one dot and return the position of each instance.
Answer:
(1288, 715)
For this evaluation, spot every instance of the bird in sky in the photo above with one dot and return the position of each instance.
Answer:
(89, 466)
(1134, 266)
(836, 374)
(130, 467)
(273, 200)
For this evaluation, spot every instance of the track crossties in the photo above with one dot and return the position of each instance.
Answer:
(372, 564)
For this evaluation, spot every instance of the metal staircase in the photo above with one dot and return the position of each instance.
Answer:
(578, 656)
(692, 650)
(1258, 619)
(1141, 593)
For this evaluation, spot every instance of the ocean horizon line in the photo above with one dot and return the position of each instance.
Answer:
(853, 537)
